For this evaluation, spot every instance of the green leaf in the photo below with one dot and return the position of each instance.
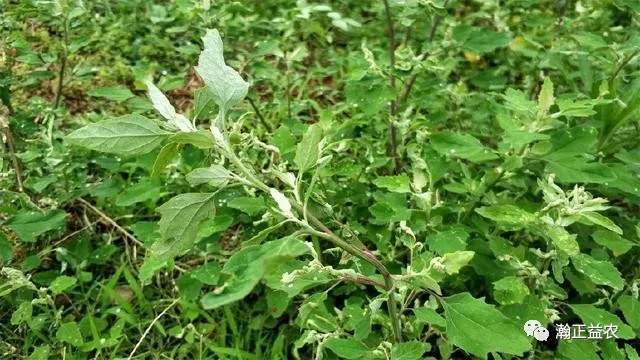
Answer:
(576, 108)
(348, 348)
(248, 266)
(463, 146)
(179, 223)
(112, 93)
(29, 225)
(601, 220)
(368, 95)
(308, 149)
(166, 155)
(207, 274)
(397, 183)
(250, 205)
(478, 328)
(142, 191)
(455, 261)
(590, 314)
(411, 350)
(545, 98)
(201, 139)
(600, 272)
(226, 85)
(612, 241)
(164, 107)
(204, 104)
(508, 214)
(480, 40)
(577, 349)
(70, 333)
(429, 316)
(149, 267)
(23, 313)
(630, 307)
(40, 353)
(577, 170)
(126, 135)
(562, 239)
(510, 290)
(62, 283)
(448, 241)
(216, 175)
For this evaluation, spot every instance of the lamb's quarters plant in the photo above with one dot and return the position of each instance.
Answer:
(358, 180)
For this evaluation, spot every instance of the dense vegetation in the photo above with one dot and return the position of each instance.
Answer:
(388, 179)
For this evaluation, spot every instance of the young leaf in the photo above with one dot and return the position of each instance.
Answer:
(225, 83)
(456, 260)
(478, 328)
(545, 98)
(164, 107)
(600, 272)
(126, 135)
(308, 149)
(283, 203)
(398, 183)
(507, 214)
(62, 283)
(179, 223)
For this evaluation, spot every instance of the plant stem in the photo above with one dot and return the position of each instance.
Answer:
(622, 65)
(326, 233)
(259, 114)
(391, 34)
(12, 152)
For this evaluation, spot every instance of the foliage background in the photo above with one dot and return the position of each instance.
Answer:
(442, 149)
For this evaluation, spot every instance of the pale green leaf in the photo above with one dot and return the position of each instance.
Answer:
(164, 107)
(463, 146)
(70, 333)
(397, 183)
(126, 135)
(62, 283)
(215, 175)
(455, 261)
(348, 348)
(250, 205)
(112, 93)
(308, 150)
(179, 223)
(601, 220)
(510, 290)
(225, 83)
(545, 98)
(411, 350)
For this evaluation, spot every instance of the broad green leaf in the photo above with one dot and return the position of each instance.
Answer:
(590, 314)
(454, 261)
(164, 107)
(429, 316)
(201, 139)
(510, 290)
(308, 149)
(397, 183)
(126, 135)
(149, 267)
(572, 143)
(23, 314)
(448, 241)
(478, 328)
(517, 101)
(348, 348)
(208, 273)
(545, 98)
(368, 95)
(225, 83)
(463, 146)
(562, 239)
(610, 350)
(142, 191)
(112, 93)
(630, 307)
(250, 205)
(29, 225)
(577, 108)
(578, 349)
(204, 104)
(578, 170)
(215, 175)
(478, 39)
(612, 241)
(70, 333)
(179, 223)
(601, 220)
(40, 353)
(600, 272)
(411, 350)
(62, 283)
(166, 155)
(248, 266)
(510, 215)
